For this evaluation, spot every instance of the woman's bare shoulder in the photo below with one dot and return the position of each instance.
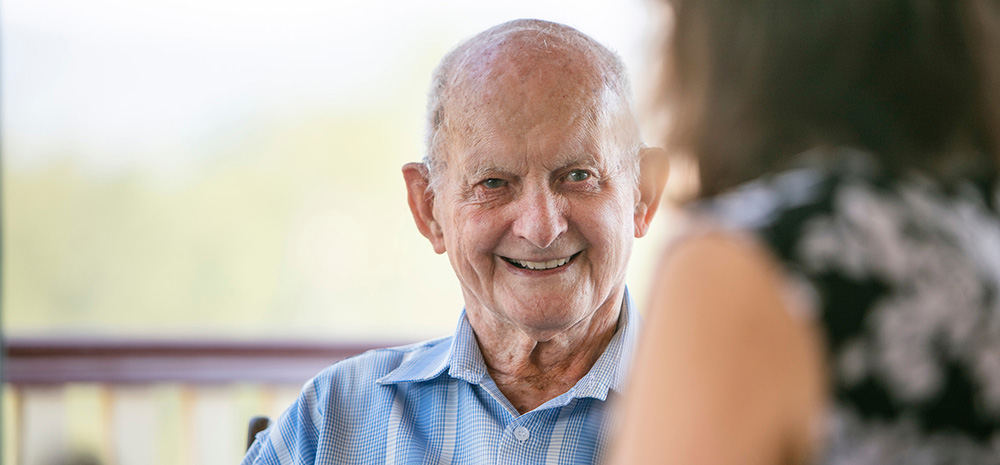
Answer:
(725, 372)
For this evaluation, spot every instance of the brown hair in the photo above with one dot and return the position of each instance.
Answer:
(751, 83)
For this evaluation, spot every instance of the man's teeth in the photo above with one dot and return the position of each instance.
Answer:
(546, 265)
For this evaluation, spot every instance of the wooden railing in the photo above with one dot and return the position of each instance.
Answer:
(147, 401)
(128, 361)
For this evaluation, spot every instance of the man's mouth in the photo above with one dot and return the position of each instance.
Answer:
(540, 266)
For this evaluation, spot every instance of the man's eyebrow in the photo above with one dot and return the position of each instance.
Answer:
(582, 159)
(482, 169)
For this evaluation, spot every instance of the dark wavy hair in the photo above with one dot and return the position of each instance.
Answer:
(749, 84)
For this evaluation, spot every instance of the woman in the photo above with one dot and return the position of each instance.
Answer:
(836, 298)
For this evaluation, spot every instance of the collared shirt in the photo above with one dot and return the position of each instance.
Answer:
(434, 402)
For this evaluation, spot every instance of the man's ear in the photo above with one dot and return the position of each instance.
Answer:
(421, 201)
(654, 166)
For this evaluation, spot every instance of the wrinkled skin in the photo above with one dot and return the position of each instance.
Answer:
(536, 174)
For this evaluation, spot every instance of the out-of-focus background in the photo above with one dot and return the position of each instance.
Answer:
(198, 194)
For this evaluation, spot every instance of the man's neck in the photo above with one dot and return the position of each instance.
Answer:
(529, 371)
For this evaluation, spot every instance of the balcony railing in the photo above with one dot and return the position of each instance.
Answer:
(149, 402)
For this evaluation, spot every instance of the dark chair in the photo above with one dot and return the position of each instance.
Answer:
(257, 424)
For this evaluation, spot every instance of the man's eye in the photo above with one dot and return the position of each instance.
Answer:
(493, 183)
(577, 176)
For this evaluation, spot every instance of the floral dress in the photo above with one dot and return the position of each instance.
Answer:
(903, 273)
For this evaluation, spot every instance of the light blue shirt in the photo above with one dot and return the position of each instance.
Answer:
(434, 403)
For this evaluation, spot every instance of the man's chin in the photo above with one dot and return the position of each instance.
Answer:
(548, 316)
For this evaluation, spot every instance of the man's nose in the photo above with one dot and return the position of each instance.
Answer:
(540, 217)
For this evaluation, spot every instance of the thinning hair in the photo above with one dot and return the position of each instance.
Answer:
(749, 84)
(449, 82)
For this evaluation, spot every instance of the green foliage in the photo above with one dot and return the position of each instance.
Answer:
(298, 226)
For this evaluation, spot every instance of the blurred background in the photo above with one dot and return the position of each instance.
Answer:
(203, 205)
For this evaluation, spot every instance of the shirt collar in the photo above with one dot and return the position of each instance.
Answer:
(462, 359)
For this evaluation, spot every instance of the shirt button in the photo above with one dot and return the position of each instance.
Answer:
(521, 433)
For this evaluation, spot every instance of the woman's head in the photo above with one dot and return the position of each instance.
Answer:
(750, 83)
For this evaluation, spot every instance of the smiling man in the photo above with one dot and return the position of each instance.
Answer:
(535, 184)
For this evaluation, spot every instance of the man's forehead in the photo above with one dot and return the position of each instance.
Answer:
(507, 135)
(564, 130)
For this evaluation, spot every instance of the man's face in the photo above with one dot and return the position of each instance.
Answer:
(537, 213)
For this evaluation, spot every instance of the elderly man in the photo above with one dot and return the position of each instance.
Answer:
(532, 185)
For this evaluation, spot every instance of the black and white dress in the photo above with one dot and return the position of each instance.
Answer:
(903, 273)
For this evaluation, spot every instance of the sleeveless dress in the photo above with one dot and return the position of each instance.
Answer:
(903, 274)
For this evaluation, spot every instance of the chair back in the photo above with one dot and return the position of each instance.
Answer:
(256, 425)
